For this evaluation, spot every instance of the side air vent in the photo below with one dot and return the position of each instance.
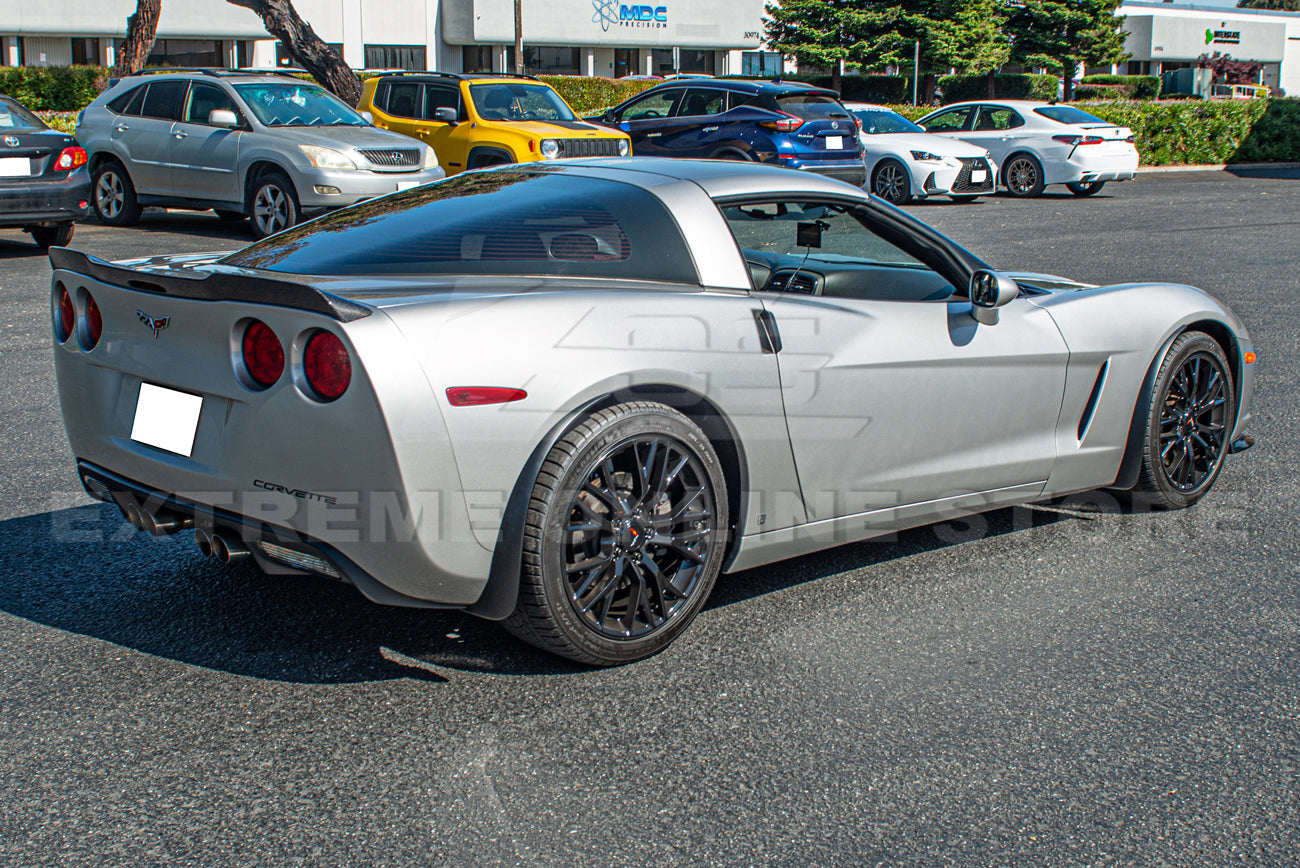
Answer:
(798, 282)
(1086, 419)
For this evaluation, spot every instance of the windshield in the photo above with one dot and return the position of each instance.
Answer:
(280, 104)
(15, 117)
(876, 121)
(1064, 114)
(519, 102)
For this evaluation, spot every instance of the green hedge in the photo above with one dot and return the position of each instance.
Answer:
(959, 88)
(1144, 86)
(1104, 91)
(587, 94)
(1208, 132)
(53, 88)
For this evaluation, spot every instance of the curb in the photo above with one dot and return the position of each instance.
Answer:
(1217, 167)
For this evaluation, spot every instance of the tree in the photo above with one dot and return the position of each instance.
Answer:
(811, 31)
(1061, 34)
(141, 28)
(1231, 71)
(306, 48)
(1283, 5)
(519, 37)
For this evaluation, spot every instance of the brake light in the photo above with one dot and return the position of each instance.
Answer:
(1080, 140)
(787, 124)
(64, 315)
(326, 365)
(71, 158)
(474, 396)
(94, 322)
(263, 354)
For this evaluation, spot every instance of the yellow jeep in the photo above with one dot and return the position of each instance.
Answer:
(472, 121)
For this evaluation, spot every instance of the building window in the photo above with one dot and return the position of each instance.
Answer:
(1139, 67)
(625, 62)
(396, 57)
(284, 58)
(85, 52)
(763, 64)
(187, 52)
(666, 61)
(546, 60)
(476, 58)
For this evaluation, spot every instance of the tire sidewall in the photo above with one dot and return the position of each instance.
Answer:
(639, 423)
(891, 163)
(1037, 189)
(129, 211)
(291, 196)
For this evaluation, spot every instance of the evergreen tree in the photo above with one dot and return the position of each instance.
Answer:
(810, 31)
(1061, 34)
(1283, 5)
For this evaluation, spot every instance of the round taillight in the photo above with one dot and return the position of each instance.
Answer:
(326, 365)
(64, 315)
(263, 354)
(94, 322)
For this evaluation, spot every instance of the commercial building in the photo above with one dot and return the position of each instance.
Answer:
(568, 37)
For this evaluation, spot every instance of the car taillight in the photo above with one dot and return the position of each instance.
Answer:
(71, 158)
(94, 323)
(64, 315)
(1080, 140)
(263, 354)
(326, 365)
(787, 123)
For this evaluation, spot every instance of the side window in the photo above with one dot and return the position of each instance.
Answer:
(205, 99)
(437, 96)
(651, 106)
(949, 121)
(381, 96)
(829, 249)
(404, 99)
(122, 104)
(702, 101)
(998, 118)
(163, 100)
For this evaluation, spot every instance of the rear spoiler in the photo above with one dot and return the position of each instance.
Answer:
(212, 286)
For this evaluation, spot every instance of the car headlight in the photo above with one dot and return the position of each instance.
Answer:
(624, 147)
(926, 156)
(550, 149)
(326, 158)
(430, 159)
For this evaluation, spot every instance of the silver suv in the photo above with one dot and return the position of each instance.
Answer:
(266, 146)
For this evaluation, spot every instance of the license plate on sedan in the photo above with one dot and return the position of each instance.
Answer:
(166, 419)
(979, 176)
(15, 167)
(406, 185)
(834, 143)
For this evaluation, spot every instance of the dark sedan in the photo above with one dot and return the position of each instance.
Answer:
(44, 183)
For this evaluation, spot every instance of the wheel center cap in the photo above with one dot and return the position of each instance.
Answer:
(631, 535)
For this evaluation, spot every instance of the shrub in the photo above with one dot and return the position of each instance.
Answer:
(588, 94)
(1144, 86)
(53, 88)
(1104, 91)
(64, 122)
(1204, 132)
(959, 88)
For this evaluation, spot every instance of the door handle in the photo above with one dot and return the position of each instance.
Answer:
(121, 128)
(653, 135)
(710, 129)
(179, 134)
(768, 337)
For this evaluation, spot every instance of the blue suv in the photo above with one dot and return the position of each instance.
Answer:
(787, 123)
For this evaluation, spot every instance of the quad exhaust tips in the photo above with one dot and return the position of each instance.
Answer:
(223, 547)
(161, 523)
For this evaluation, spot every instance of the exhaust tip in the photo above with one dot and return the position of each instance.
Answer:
(134, 515)
(204, 541)
(227, 549)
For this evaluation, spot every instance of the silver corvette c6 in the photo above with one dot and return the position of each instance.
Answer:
(568, 397)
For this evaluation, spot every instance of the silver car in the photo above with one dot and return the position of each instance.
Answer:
(265, 146)
(569, 396)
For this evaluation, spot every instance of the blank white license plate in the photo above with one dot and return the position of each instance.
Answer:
(979, 176)
(15, 167)
(166, 419)
(406, 185)
(834, 143)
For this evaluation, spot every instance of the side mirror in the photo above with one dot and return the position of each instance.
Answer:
(367, 117)
(223, 118)
(988, 292)
(610, 117)
(446, 115)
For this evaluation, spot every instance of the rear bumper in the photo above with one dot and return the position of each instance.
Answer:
(1085, 166)
(34, 202)
(851, 171)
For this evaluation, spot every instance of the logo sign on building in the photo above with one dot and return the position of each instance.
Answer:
(1223, 37)
(611, 13)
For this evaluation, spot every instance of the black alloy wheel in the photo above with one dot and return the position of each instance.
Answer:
(625, 536)
(891, 182)
(1023, 176)
(1192, 414)
(1086, 188)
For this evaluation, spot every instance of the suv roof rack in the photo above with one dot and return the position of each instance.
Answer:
(460, 76)
(214, 71)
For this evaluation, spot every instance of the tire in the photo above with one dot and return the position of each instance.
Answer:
(651, 537)
(1193, 409)
(53, 236)
(1023, 176)
(230, 216)
(1086, 188)
(890, 181)
(113, 195)
(272, 205)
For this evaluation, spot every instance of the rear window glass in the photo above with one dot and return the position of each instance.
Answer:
(1064, 114)
(506, 222)
(119, 104)
(14, 117)
(811, 107)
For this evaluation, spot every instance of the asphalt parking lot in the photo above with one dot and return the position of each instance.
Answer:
(1069, 684)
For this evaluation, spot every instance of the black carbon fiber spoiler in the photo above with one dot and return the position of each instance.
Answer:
(212, 286)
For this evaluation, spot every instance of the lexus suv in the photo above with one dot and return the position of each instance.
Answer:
(261, 145)
(787, 123)
(484, 120)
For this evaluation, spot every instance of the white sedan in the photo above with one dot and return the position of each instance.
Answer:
(903, 161)
(1041, 143)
